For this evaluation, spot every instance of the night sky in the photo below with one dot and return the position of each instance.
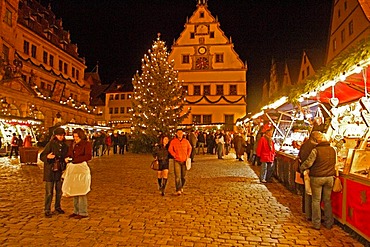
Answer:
(118, 33)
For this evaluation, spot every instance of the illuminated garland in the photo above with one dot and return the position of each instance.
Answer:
(48, 70)
(357, 55)
(216, 101)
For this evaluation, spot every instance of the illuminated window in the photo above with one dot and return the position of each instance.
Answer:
(197, 118)
(51, 60)
(33, 51)
(350, 28)
(122, 110)
(115, 110)
(26, 47)
(233, 90)
(207, 90)
(65, 68)
(45, 57)
(111, 97)
(207, 119)
(197, 90)
(219, 58)
(229, 122)
(185, 59)
(60, 65)
(8, 17)
(123, 96)
(220, 90)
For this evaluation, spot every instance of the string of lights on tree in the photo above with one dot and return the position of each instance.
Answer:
(159, 98)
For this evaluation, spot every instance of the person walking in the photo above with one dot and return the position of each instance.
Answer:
(321, 164)
(220, 141)
(79, 152)
(180, 149)
(239, 145)
(303, 154)
(161, 154)
(53, 157)
(201, 141)
(14, 146)
(266, 152)
(108, 143)
(115, 142)
(193, 139)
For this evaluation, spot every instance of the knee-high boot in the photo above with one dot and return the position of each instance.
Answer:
(159, 183)
(163, 188)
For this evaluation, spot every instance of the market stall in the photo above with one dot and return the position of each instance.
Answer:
(341, 102)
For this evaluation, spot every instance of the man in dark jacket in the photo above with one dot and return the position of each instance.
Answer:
(53, 157)
(303, 154)
(321, 164)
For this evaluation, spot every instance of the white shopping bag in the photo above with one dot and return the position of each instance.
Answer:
(77, 180)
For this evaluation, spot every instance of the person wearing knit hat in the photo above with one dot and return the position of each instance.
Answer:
(59, 131)
(53, 156)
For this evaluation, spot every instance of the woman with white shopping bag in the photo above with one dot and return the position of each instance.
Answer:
(77, 178)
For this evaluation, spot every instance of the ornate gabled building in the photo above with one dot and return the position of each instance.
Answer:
(212, 72)
(350, 23)
(41, 72)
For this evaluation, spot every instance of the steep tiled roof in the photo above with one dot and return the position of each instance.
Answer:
(365, 5)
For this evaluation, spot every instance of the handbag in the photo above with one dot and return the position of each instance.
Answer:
(188, 163)
(154, 165)
(337, 187)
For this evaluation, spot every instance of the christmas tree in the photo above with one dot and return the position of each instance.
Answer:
(159, 98)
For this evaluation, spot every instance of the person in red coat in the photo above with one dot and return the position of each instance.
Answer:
(79, 151)
(266, 152)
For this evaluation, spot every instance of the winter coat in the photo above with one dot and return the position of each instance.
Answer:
(80, 152)
(180, 149)
(265, 151)
(161, 153)
(60, 149)
(239, 144)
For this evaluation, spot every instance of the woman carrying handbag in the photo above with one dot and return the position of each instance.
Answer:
(161, 154)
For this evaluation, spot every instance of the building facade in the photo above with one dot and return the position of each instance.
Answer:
(211, 71)
(350, 23)
(41, 72)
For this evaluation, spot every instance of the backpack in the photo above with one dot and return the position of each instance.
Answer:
(19, 142)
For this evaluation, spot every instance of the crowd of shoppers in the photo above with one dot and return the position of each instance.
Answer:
(102, 143)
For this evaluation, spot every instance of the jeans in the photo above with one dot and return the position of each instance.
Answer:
(192, 154)
(267, 170)
(220, 148)
(80, 205)
(322, 186)
(201, 146)
(180, 173)
(49, 189)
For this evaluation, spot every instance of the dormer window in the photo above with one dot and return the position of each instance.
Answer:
(201, 14)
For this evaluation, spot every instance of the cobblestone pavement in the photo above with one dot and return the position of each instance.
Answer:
(223, 205)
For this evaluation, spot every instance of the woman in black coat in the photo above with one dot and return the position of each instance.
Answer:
(53, 157)
(161, 154)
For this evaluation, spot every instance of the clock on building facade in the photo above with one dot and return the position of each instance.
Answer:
(202, 63)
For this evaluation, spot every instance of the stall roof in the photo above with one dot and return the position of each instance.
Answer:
(352, 88)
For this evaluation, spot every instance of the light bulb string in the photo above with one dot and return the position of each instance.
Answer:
(365, 80)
